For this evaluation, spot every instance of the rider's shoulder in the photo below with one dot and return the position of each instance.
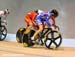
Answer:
(31, 12)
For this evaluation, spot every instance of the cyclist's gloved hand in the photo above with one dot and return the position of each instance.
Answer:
(53, 28)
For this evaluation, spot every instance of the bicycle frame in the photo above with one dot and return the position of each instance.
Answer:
(42, 35)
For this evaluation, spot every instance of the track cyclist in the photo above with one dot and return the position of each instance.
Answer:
(3, 14)
(44, 19)
(30, 20)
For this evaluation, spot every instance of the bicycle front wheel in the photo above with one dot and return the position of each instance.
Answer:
(53, 40)
(3, 33)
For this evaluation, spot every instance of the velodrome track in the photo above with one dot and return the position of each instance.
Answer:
(14, 49)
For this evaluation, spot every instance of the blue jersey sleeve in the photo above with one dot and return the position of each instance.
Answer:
(38, 20)
(48, 20)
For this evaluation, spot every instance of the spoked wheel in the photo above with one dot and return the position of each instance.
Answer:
(3, 33)
(19, 34)
(26, 39)
(53, 40)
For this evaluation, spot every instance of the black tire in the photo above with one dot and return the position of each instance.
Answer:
(52, 40)
(19, 34)
(26, 39)
(3, 33)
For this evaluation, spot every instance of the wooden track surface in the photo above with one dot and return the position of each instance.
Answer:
(13, 49)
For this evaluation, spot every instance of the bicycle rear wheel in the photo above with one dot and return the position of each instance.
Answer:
(19, 34)
(26, 39)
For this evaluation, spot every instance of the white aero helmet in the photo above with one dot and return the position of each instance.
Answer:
(38, 11)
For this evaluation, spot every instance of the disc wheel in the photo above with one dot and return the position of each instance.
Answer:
(19, 34)
(3, 33)
(53, 40)
(26, 39)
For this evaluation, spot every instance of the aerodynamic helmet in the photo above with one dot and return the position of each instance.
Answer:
(55, 12)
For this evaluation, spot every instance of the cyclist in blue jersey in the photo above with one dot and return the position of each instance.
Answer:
(43, 19)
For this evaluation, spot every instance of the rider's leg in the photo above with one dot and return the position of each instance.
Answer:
(45, 26)
(35, 27)
(37, 32)
(29, 25)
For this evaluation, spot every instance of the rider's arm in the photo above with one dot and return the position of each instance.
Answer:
(48, 22)
(53, 21)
